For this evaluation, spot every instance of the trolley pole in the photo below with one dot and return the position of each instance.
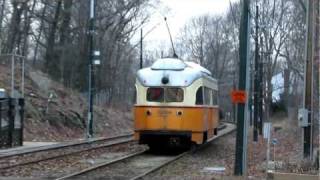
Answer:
(242, 113)
(89, 132)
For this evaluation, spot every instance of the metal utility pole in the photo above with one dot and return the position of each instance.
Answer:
(315, 79)
(91, 32)
(260, 100)
(260, 90)
(307, 103)
(256, 80)
(242, 113)
(317, 72)
(251, 91)
(141, 50)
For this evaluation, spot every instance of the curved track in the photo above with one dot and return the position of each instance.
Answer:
(134, 166)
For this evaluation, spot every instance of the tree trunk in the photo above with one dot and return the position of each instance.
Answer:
(38, 38)
(14, 27)
(286, 78)
(27, 23)
(64, 34)
(3, 5)
(52, 62)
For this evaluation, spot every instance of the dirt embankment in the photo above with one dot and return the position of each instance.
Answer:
(56, 113)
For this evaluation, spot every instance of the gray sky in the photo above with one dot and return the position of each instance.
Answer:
(178, 12)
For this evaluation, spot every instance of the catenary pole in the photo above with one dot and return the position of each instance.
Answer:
(261, 89)
(242, 113)
(256, 80)
(307, 98)
(317, 59)
(89, 133)
(315, 81)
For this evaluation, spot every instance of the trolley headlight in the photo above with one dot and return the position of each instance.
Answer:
(148, 113)
(165, 80)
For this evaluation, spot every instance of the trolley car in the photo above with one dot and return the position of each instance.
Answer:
(176, 104)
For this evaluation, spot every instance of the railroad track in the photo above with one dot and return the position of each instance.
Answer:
(59, 151)
(132, 167)
(89, 160)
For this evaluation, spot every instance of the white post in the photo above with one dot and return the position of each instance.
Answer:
(274, 156)
(267, 135)
(268, 152)
(12, 75)
(22, 81)
(92, 9)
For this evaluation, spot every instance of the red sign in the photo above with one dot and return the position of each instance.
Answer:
(238, 97)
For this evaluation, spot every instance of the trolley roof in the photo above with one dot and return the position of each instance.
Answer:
(178, 73)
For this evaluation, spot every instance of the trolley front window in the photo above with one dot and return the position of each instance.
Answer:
(165, 95)
(155, 94)
(174, 95)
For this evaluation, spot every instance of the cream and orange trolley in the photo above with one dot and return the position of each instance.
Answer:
(176, 104)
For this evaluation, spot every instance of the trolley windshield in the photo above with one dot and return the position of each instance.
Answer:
(165, 95)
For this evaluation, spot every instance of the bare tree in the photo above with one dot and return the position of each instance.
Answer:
(276, 25)
(212, 41)
(15, 25)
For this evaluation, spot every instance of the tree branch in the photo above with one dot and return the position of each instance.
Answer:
(303, 5)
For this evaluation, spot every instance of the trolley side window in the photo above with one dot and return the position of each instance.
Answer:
(207, 96)
(215, 97)
(174, 95)
(199, 96)
(155, 94)
(135, 95)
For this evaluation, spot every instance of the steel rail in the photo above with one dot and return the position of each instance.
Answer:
(143, 174)
(72, 153)
(60, 146)
(160, 166)
(102, 165)
(192, 151)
